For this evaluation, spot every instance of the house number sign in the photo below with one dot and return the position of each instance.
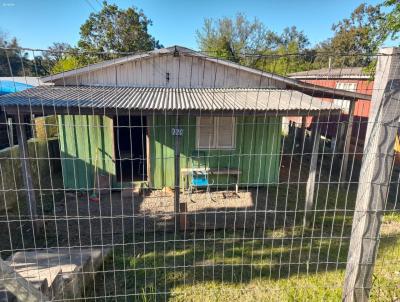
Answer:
(177, 131)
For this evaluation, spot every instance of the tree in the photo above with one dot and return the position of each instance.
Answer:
(61, 57)
(233, 38)
(291, 54)
(393, 18)
(117, 30)
(65, 63)
(291, 35)
(287, 59)
(14, 61)
(250, 43)
(9, 60)
(355, 38)
(57, 51)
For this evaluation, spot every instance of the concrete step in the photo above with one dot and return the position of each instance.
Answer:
(6, 296)
(58, 273)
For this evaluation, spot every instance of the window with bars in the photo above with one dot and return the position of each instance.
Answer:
(215, 132)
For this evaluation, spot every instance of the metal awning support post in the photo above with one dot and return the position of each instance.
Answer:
(10, 131)
(26, 170)
(303, 131)
(316, 134)
(347, 143)
(177, 133)
(374, 176)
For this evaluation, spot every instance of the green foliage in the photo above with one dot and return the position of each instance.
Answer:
(112, 30)
(61, 57)
(66, 63)
(250, 43)
(355, 38)
(231, 38)
(9, 59)
(393, 18)
(117, 30)
(286, 59)
(57, 51)
(15, 62)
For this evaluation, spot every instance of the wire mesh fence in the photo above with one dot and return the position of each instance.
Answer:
(174, 175)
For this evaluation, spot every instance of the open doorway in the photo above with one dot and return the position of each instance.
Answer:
(130, 148)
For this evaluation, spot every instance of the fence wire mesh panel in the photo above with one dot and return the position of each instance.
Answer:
(176, 175)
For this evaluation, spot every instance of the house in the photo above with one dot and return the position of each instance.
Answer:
(11, 85)
(347, 78)
(121, 118)
(15, 84)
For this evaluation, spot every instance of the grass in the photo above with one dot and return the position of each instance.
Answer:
(225, 266)
(281, 264)
(285, 263)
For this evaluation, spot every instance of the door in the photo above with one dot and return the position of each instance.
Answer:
(86, 148)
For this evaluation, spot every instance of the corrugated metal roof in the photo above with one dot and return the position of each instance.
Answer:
(332, 73)
(134, 98)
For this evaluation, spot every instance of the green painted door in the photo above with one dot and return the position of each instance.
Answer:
(86, 146)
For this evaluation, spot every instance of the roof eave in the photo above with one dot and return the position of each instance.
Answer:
(109, 111)
(328, 77)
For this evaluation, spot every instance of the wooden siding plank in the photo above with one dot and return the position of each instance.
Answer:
(80, 137)
(193, 72)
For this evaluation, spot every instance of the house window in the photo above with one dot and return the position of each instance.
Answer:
(344, 104)
(215, 132)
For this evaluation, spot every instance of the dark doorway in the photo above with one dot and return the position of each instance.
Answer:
(130, 148)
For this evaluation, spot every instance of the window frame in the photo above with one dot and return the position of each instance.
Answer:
(341, 102)
(214, 145)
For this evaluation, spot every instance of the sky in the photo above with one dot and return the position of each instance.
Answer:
(39, 23)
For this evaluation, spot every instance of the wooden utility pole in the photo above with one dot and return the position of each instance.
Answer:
(26, 170)
(374, 177)
(19, 286)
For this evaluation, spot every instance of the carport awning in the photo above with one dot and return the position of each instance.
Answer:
(81, 99)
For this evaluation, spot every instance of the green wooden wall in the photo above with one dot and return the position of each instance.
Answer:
(81, 137)
(258, 144)
(256, 153)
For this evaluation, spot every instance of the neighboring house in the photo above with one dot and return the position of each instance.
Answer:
(351, 79)
(11, 85)
(15, 84)
(120, 117)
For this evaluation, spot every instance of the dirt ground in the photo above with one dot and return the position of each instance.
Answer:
(118, 214)
(72, 219)
(75, 220)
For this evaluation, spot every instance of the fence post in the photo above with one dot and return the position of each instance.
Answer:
(177, 132)
(374, 176)
(19, 286)
(26, 170)
(316, 134)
